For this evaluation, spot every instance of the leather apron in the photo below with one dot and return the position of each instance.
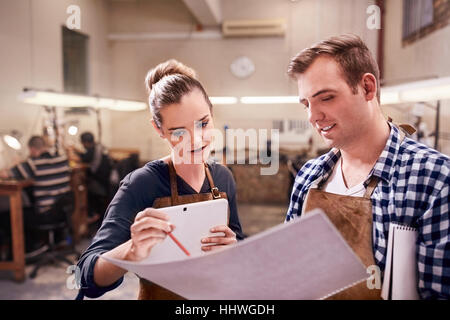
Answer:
(147, 289)
(352, 216)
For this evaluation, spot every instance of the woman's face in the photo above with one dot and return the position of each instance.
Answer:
(187, 126)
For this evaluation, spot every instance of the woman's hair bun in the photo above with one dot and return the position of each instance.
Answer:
(167, 68)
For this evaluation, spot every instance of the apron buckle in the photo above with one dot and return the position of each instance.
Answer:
(215, 193)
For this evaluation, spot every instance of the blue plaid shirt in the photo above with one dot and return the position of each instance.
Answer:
(413, 190)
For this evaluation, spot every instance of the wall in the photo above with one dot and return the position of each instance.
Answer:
(32, 57)
(308, 21)
(422, 59)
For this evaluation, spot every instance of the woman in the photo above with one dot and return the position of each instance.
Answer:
(132, 227)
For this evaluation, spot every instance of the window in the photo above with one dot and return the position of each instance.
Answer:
(298, 126)
(75, 46)
(417, 14)
(278, 125)
(291, 126)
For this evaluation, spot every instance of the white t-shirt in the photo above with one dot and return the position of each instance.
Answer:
(335, 183)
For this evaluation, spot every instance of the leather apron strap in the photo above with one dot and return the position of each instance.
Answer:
(174, 188)
(404, 128)
(371, 187)
(173, 183)
(214, 190)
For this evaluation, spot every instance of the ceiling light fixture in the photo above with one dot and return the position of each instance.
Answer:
(270, 100)
(418, 91)
(223, 100)
(12, 142)
(55, 99)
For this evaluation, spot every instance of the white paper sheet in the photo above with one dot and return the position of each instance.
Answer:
(303, 259)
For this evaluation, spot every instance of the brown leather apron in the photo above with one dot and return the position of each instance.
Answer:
(147, 289)
(352, 216)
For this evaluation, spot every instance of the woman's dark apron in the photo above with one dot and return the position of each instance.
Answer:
(352, 216)
(147, 289)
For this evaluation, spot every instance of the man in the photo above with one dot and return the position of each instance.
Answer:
(373, 175)
(51, 176)
(98, 175)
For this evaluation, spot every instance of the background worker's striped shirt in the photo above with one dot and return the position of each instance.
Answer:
(51, 175)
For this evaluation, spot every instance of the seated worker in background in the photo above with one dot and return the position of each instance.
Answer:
(374, 175)
(98, 182)
(51, 176)
(182, 115)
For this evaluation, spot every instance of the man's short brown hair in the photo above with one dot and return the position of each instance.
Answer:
(349, 51)
(36, 142)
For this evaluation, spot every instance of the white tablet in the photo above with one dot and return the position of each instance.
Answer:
(192, 222)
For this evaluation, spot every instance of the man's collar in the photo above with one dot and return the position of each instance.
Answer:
(328, 162)
(384, 167)
(44, 154)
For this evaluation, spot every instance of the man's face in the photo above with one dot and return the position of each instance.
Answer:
(87, 145)
(333, 110)
(34, 152)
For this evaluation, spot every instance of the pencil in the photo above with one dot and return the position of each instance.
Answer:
(178, 243)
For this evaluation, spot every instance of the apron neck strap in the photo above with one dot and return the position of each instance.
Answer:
(173, 183)
(371, 186)
(214, 190)
(404, 128)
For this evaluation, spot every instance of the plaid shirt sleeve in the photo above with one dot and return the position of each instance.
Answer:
(313, 170)
(297, 195)
(433, 258)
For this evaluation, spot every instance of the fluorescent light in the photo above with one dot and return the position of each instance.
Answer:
(389, 97)
(427, 90)
(127, 105)
(120, 105)
(223, 100)
(105, 103)
(427, 94)
(207, 34)
(12, 142)
(270, 100)
(55, 99)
